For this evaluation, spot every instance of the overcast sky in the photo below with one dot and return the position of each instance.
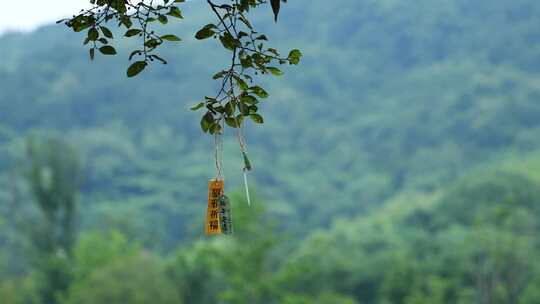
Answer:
(24, 15)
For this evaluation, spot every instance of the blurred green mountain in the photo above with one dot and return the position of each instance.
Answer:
(392, 97)
(400, 163)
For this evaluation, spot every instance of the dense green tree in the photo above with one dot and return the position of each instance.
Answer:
(54, 175)
(133, 279)
(95, 250)
(475, 244)
(20, 291)
(237, 269)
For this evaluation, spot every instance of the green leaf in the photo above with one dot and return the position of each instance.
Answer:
(246, 62)
(206, 121)
(211, 100)
(257, 90)
(275, 71)
(228, 41)
(240, 118)
(163, 19)
(175, 12)
(244, 109)
(247, 163)
(106, 32)
(107, 50)
(231, 122)
(170, 37)
(215, 128)
(136, 68)
(294, 56)
(81, 23)
(242, 34)
(93, 34)
(119, 5)
(253, 109)
(249, 99)
(152, 43)
(92, 53)
(126, 21)
(241, 83)
(275, 8)
(206, 32)
(219, 74)
(230, 107)
(256, 118)
(132, 32)
(197, 106)
(136, 52)
(244, 5)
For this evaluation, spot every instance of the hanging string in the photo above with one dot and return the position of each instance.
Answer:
(218, 153)
(247, 164)
(241, 141)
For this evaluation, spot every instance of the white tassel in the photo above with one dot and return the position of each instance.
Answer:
(247, 189)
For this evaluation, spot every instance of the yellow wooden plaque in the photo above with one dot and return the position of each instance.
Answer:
(215, 190)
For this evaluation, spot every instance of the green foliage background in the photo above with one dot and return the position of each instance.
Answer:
(399, 163)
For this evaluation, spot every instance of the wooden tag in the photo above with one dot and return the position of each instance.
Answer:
(215, 190)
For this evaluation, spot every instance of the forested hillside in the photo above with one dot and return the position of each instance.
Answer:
(410, 129)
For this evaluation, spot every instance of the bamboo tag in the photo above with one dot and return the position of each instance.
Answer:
(215, 190)
(225, 215)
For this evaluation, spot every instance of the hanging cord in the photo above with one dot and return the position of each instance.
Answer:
(247, 164)
(241, 141)
(218, 153)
